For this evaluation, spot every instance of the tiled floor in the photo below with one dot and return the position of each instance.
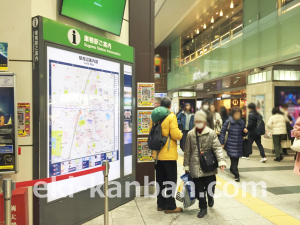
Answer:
(283, 194)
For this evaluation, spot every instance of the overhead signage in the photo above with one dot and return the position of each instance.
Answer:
(160, 95)
(226, 96)
(145, 94)
(200, 75)
(3, 56)
(73, 37)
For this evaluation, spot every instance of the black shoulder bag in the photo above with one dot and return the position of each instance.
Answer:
(208, 159)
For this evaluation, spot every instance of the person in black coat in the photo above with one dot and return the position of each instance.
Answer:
(224, 115)
(252, 135)
(234, 143)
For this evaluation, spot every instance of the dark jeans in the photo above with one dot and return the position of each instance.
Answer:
(277, 139)
(257, 140)
(166, 171)
(183, 139)
(234, 167)
(202, 188)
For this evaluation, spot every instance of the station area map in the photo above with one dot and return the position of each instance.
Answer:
(83, 117)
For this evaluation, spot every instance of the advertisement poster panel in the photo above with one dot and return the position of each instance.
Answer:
(3, 56)
(7, 124)
(260, 103)
(144, 153)
(23, 119)
(144, 118)
(145, 94)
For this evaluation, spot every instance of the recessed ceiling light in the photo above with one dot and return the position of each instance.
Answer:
(217, 13)
(227, 86)
(227, 16)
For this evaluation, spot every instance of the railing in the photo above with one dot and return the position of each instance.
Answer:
(8, 186)
(227, 37)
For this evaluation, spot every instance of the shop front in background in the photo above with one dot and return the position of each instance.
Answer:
(180, 98)
(230, 100)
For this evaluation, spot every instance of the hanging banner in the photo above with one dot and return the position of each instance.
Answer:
(144, 118)
(144, 153)
(145, 94)
(23, 119)
(3, 56)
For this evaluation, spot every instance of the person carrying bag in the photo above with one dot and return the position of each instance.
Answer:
(202, 156)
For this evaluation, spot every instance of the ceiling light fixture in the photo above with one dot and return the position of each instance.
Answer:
(212, 19)
(231, 4)
(227, 16)
(221, 13)
(204, 26)
(198, 31)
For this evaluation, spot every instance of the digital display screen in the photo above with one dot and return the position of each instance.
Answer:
(127, 120)
(104, 14)
(290, 96)
(83, 114)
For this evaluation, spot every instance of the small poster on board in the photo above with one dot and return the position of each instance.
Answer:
(144, 118)
(144, 153)
(23, 119)
(145, 94)
(260, 102)
(3, 56)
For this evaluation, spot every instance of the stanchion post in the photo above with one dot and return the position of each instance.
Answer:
(105, 172)
(7, 187)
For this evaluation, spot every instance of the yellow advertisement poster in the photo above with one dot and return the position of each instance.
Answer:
(144, 118)
(144, 153)
(145, 94)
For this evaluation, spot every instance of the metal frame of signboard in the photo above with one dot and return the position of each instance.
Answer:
(85, 207)
(15, 149)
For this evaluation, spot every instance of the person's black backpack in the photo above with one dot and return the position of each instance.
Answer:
(260, 126)
(156, 141)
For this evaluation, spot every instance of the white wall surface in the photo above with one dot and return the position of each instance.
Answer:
(15, 28)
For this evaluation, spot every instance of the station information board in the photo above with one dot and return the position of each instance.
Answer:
(84, 99)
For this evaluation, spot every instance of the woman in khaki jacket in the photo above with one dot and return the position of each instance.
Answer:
(208, 141)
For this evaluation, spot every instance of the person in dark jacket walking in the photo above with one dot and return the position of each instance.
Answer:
(252, 135)
(210, 117)
(185, 121)
(224, 115)
(234, 144)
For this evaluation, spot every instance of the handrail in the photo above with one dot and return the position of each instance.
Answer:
(209, 47)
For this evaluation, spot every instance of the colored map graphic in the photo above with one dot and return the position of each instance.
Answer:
(83, 112)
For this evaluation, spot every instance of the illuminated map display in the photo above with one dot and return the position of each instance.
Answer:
(84, 112)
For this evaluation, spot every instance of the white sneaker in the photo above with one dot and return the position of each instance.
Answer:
(244, 157)
(247, 158)
(263, 160)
